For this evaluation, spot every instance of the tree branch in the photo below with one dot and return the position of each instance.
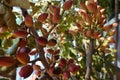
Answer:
(52, 28)
(89, 53)
(40, 48)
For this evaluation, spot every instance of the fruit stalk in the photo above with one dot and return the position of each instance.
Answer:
(41, 52)
(89, 53)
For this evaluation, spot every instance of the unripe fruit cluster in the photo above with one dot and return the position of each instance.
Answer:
(92, 20)
(65, 68)
(43, 42)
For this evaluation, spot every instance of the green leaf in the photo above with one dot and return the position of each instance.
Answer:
(73, 50)
(72, 55)
(4, 35)
(12, 50)
(66, 50)
(35, 9)
(6, 43)
(31, 42)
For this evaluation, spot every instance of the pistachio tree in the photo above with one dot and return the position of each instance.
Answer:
(68, 37)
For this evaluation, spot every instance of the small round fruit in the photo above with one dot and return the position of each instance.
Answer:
(22, 42)
(62, 62)
(22, 56)
(52, 42)
(96, 34)
(66, 75)
(25, 50)
(42, 17)
(20, 33)
(115, 24)
(67, 5)
(42, 41)
(50, 51)
(7, 61)
(28, 21)
(70, 61)
(91, 7)
(72, 67)
(56, 11)
(26, 71)
(56, 18)
(107, 28)
(89, 33)
(77, 68)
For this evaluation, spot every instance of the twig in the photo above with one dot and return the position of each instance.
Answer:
(40, 48)
(89, 53)
(51, 30)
